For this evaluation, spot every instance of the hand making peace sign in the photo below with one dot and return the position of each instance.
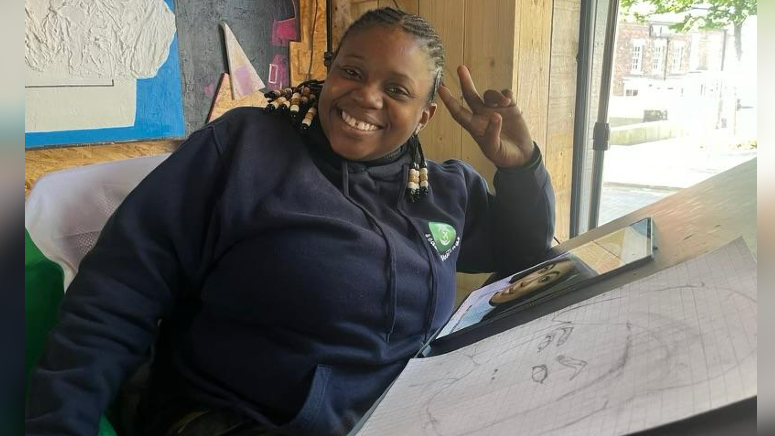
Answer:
(495, 123)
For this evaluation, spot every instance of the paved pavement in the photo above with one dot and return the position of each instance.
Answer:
(638, 175)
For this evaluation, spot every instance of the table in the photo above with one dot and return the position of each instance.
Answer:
(688, 224)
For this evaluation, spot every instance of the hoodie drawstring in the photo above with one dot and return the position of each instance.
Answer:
(392, 297)
(429, 256)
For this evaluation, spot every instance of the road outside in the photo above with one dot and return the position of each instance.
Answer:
(638, 175)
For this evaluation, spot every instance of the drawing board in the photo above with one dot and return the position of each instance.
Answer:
(667, 347)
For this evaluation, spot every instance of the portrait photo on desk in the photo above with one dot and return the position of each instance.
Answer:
(509, 293)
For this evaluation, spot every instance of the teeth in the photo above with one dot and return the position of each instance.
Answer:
(360, 125)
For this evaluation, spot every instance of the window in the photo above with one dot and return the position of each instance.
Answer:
(631, 92)
(636, 58)
(659, 30)
(678, 54)
(657, 61)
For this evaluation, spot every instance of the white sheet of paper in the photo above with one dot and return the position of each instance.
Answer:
(672, 345)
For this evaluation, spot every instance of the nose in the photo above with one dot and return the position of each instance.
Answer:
(368, 96)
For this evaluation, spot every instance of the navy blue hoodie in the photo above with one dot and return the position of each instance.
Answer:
(291, 285)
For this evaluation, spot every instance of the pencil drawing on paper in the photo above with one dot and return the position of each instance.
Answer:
(582, 354)
(540, 372)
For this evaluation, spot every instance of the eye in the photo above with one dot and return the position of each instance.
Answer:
(398, 91)
(548, 277)
(349, 72)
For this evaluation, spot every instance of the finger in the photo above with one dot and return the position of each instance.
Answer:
(510, 95)
(492, 133)
(469, 90)
(460, 114)
(495, 99)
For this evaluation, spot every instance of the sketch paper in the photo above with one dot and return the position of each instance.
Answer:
(672, 345)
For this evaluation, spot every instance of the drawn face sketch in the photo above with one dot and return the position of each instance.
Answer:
(585, 355)
(538, 279)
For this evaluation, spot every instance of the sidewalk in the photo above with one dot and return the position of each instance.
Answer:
(637, 175)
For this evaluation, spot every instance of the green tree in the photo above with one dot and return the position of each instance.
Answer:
(701, 14)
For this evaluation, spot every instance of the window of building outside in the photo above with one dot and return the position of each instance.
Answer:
(658, 57)
(678, 54)
(636, 59)
(672, 130)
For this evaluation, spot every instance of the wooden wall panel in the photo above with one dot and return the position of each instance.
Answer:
(405, 5)
(442, 137)
(347, 11)
(531, 79)
(488, 52)
(562, 103)
(316, 44)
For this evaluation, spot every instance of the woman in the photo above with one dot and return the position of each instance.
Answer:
(293, 275)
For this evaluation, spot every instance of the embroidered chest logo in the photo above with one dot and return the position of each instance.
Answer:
(443, 238)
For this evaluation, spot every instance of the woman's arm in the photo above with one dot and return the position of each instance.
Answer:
(147, 255)
(514, 227)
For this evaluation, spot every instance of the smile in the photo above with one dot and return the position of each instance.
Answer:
(356, 124)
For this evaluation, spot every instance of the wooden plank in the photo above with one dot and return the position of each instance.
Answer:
(531, 81)
(411, 6)
(38, 162)
(489, 53)
(442, 137)
(224, 101)
(561, 108)
(341, 17)
(347, 11)
(310, 48)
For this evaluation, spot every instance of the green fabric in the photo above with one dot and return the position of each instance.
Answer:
(43, 292)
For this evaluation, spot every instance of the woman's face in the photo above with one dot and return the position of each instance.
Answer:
(538, 279)
(376, 94)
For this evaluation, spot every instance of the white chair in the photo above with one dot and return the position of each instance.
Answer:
(66, 209)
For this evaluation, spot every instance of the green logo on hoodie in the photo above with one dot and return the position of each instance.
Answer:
(444, 236)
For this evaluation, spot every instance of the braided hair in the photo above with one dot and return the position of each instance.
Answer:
(301, 101)
(422, 31)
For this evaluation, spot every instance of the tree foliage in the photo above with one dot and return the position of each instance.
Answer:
(701, 14)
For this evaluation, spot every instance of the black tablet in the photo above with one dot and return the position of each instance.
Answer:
(607, 255)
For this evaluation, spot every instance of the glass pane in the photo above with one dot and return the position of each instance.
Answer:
(682, 109)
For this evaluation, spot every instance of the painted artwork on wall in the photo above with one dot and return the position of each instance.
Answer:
(262, 28)
(101, 71)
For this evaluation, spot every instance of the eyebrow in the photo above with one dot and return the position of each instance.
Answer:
(393, 73)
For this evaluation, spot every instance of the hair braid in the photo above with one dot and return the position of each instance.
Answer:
(413, 25)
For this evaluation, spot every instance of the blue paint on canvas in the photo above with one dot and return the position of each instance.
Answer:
(159, 111)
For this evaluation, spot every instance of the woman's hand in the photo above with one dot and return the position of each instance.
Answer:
(495, 122)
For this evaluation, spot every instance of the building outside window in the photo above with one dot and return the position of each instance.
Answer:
(681, 94)
(636, 59)
(678, 54)
(657, 61)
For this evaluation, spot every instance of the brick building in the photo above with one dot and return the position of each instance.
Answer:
(663, 74)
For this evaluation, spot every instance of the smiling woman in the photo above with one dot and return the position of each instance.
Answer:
(372, 104)
(292, 273)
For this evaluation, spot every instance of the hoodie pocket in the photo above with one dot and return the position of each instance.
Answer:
(311, 407)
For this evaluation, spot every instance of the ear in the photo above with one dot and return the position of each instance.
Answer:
(426, 116)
